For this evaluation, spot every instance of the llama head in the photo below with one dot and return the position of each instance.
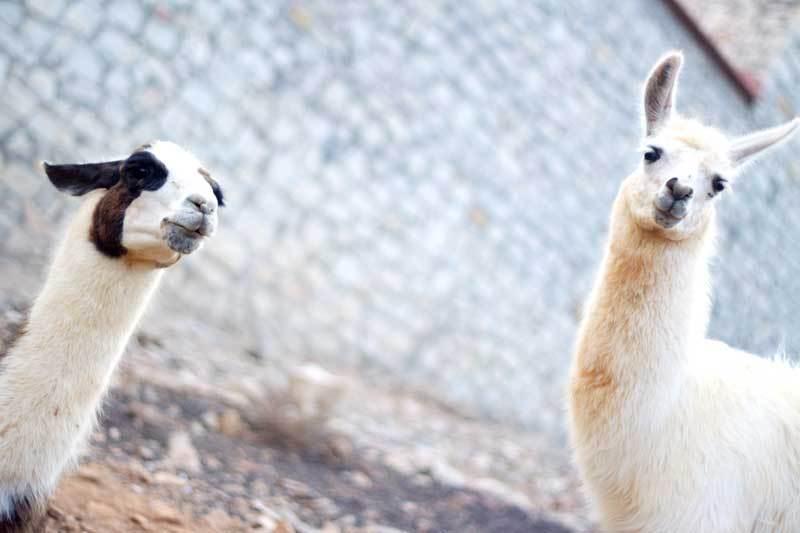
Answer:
(685, 166)
(154, 206)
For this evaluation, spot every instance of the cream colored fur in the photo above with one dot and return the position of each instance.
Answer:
(54, 377)
(673, 432)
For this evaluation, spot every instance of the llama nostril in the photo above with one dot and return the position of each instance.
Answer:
(679, 191)
(671, 183)
(201, 204)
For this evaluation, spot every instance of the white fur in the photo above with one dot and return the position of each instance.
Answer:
(674, 432)
(55, 376)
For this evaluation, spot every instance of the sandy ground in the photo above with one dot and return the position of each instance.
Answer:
(301, 450)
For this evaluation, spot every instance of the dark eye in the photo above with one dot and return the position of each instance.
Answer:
(653, 154)
(718, 184)
(142, 172)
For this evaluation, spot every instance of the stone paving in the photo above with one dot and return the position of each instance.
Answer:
(417, 190)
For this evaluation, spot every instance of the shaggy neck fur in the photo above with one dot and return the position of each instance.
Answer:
(649, 306)
(54, 377)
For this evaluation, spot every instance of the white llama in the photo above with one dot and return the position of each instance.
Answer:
(140, 214)
(674, 432)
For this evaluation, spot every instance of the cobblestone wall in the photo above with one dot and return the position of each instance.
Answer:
(417, 189)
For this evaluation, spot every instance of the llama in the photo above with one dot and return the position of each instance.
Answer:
(673, 432)
(140, 215)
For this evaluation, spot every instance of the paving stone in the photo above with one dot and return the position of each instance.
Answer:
(11, 13)
(81, 92)
(161, 36)
(124, 50)
(84, 17)
(19, 99)
(126, 14)
(50, 9)
(84, 63)
(37, 35)
(4, 62)
(43, 83)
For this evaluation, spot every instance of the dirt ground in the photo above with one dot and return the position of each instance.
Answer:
(312, 452)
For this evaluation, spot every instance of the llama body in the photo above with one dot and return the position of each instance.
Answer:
(62, 366)
(674, 432)
(54, 377)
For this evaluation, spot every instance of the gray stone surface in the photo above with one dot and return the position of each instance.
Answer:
(417, 190)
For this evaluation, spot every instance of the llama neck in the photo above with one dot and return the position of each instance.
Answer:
(649, 306)
(80, 322)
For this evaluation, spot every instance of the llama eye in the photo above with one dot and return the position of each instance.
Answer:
(718, 184)
(652, 154)
(143, 172)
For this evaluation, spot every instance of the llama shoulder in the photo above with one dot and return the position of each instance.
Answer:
(744, 397)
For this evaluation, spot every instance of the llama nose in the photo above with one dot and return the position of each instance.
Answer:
(202, 205)
(679, 190)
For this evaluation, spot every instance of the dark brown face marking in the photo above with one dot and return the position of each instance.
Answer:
(214, 186)
(142, 171)
(108, 218)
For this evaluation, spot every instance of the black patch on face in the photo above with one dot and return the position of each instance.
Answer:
(142, 171)
(27, 516)
(215, 188)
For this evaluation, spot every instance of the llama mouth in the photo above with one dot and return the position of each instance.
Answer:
(665, 219)
(180, 238)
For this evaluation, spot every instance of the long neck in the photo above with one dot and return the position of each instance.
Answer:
(79, 324)
(649, 305)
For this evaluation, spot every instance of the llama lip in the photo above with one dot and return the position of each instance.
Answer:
(665, 219)
(198, 232)
(180, 238)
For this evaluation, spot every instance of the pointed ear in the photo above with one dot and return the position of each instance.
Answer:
(659, 91)
(80, 179)
(215, 188)
(746, 147)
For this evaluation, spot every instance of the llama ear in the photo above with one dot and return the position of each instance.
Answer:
(746, 147)
(80, 179)
(659, 91)
(215, 188)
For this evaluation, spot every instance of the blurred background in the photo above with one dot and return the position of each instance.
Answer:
(418, 195)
